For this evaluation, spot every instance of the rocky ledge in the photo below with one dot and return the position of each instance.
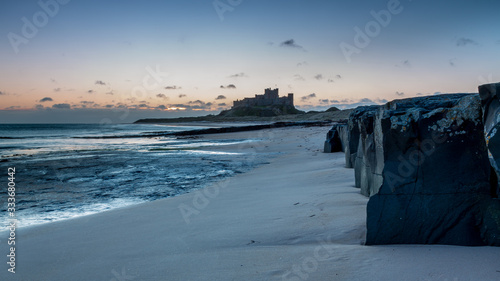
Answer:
(429, 166)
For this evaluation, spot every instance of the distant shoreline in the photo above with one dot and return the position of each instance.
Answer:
(333, 116)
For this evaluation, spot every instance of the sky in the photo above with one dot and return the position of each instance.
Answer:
(76, 61)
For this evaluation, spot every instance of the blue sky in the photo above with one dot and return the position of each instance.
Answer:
(89, 61)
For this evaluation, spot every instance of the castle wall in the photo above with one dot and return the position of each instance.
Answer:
(270, 97)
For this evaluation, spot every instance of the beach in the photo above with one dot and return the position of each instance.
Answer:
(297, 217)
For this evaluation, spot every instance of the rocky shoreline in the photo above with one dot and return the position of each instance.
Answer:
(429, 166)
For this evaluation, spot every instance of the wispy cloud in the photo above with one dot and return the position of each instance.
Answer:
(462, 42)
(298, 77)
(318, 77)
(400, 94)
(174, 87)
(62, 106)
(90, 91)
(100, 82)
(46, 99)
(291, 44)
(182, 96)
(230, 86)
(308, 97)
(302, 63)
(404, 63)
(162, 96)
(2, 93)
(57, 89)
(238, 75)
(451, 62)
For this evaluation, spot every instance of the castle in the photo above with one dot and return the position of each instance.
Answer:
(270, 97)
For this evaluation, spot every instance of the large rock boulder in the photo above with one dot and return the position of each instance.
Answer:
(433, 161)
(353, 133)
(367, 167)
(490, 102)
(333, 142)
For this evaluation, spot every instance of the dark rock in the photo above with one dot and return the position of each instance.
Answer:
(432, 158)
(353, 133)
(490, 102)
(366, 171)
(333, 142)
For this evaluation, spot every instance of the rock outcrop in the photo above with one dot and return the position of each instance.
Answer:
(333, 143)
(352, 134)
(490, 102)
(424, 163)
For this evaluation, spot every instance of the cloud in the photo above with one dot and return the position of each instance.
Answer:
(308, 97)
(366, 100)
(172, 88)
(57, 89)
(161, 107)
(419, 94)
(46, 99)
(325, 101)
(291, 44)
(13, 107)
(53, 80)
(451, 62)
(222, 104)
(332, 80)
(39, 106)
(109, 106)
(90, 91)
(182, 96)
(437, 93)
(303, 63)
(298, 77)
(230, 86)
(318, 77)
(238, 75)
(61, 106)
(196, 102)
(405, 63)
(142, 105)
(220, 97)
(110, 93)
(462, 42)
(99, 82)
(2, 93)
(400, 94)
(162, 96)
(194, 105)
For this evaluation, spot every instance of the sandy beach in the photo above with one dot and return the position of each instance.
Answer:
(299, 217)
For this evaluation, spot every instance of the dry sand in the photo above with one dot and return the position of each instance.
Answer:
(297, 218)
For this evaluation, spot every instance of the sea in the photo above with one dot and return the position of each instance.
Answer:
(63, 171)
